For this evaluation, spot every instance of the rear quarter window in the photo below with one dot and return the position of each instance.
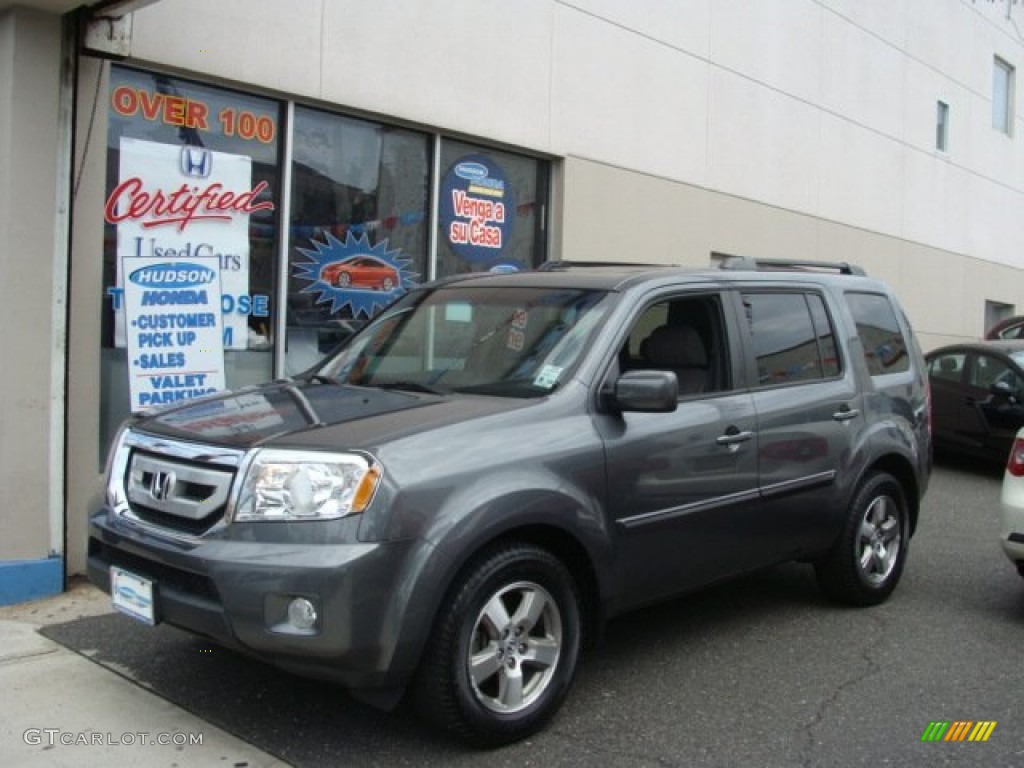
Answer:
(882, 339)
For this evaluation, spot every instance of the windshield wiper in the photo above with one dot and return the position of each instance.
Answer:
(322, 379)
(411, 386)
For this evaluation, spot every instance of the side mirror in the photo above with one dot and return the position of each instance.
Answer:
(646, 392)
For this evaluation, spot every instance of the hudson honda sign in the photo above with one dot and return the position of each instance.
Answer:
(174, 330)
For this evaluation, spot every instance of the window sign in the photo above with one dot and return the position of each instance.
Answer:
(174, 331)
(183, 201)
(359, 226)
(351, 274)
(477, 210)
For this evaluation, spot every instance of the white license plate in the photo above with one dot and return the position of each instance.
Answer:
(132, 595)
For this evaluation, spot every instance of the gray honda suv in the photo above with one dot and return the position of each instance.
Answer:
(454, 502)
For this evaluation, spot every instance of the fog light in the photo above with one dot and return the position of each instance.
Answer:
(301, 613)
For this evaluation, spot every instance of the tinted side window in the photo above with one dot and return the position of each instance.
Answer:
(988, 370)
(826, 337)
(948, 367)
(792, 336)
(885, 349)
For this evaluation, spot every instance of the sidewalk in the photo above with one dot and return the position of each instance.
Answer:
(60, 709)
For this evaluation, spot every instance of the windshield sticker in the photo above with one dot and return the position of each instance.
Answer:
(353, 274)
(516, 340)
(548, 376)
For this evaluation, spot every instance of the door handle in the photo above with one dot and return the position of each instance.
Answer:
(846, 414)
(733, 436)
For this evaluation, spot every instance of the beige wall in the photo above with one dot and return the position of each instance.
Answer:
(31, 457)
(84, 477)
(825, 108)
(611, 214)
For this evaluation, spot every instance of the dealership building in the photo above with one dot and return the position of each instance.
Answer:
(197, 195)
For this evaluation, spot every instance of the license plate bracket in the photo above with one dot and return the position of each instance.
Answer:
(133, 595)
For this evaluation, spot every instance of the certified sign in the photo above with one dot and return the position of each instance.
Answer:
(184, 202)
(174, 332)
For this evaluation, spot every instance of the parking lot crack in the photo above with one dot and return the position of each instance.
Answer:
(870, 668)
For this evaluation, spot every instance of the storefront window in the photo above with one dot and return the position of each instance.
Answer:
(192, 191)
(190, 267)
(492, 210)
(359, 227)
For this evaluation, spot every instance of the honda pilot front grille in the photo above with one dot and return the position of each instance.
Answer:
(181, 488)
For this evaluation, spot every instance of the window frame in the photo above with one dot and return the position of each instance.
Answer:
(1003, 101)
(729, 358)
(803, 292)
(901, 326)
(941, 126)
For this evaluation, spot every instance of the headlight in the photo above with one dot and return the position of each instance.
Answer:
(305, 485)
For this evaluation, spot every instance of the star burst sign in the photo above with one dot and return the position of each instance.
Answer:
(354, 274)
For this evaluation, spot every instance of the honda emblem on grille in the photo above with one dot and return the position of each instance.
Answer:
(161, 486)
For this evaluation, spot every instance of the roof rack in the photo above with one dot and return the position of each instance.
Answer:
(555, 266)
(752, 264)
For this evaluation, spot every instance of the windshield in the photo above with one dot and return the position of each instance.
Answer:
(507, 341)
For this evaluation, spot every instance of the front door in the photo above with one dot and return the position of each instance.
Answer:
(683, 485)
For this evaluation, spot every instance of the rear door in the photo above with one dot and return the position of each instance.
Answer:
(809, 414)
(988, 417)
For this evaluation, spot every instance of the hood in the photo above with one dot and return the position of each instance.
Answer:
(316, 414)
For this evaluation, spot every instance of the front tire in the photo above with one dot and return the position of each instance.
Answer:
(504, 649)
(865, 564)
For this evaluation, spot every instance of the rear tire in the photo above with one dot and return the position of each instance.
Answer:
(504, 649)
(866, 562)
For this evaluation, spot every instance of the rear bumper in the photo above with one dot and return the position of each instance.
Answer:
(237, 593)
(1011, 518)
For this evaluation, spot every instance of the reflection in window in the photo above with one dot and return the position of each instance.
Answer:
(492, 210)
(507, 342)
(885, 349)
(947, 367)
(233, 126)
(789, 344)
(359, 227)
(988, 370)
(1002, 96)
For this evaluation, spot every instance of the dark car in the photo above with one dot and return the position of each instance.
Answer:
(462, 494)
(1007, 328)
(977, 395)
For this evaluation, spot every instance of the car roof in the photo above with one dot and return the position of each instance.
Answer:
(1002, 325)
(1003, 346)
(612, 276)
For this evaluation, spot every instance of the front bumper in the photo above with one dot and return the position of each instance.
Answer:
(237, 591)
